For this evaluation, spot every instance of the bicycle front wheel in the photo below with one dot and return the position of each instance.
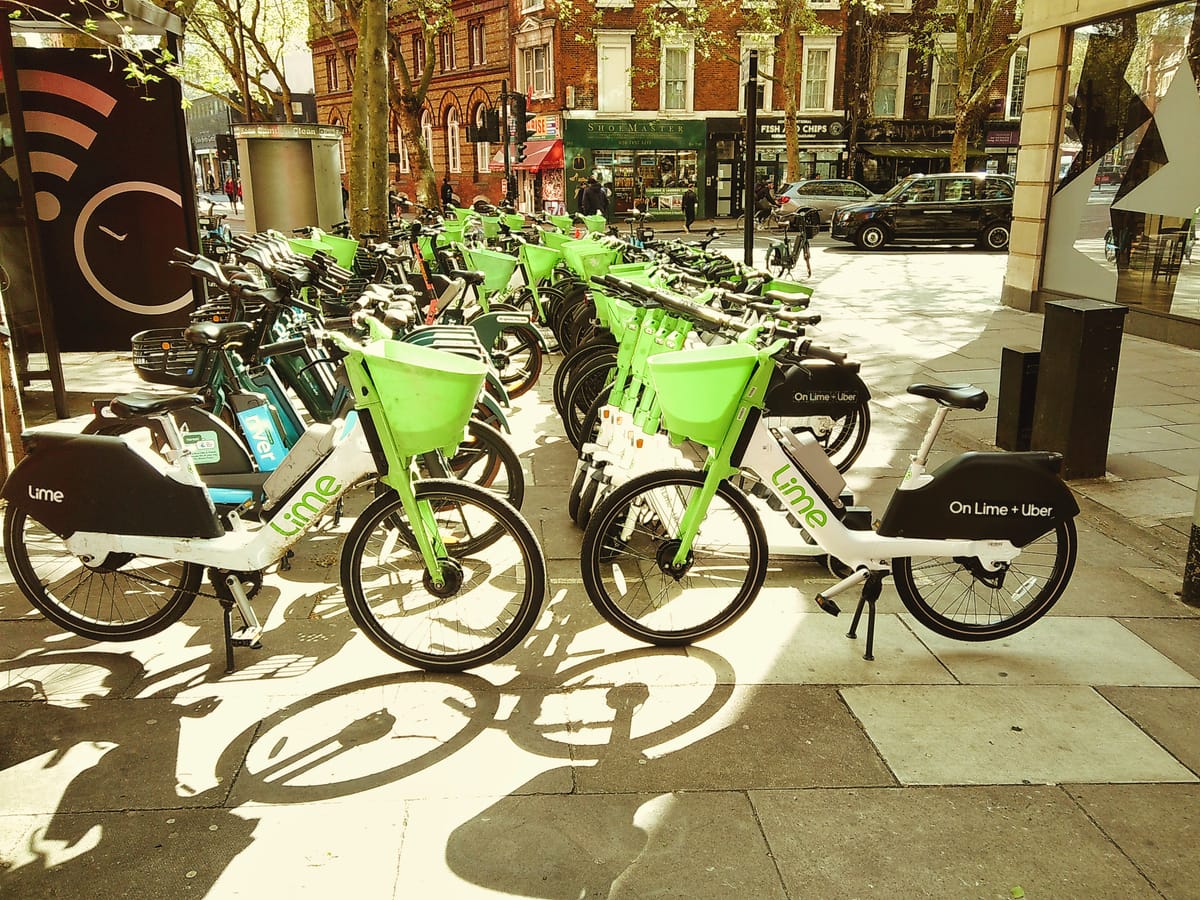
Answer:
(495, 578)
(124, 598)
(955, 598)
(630, 544)
(485, 458)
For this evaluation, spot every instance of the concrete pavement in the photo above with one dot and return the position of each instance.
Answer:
(769, 761)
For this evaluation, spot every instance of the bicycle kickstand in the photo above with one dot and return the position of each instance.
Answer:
(872, 587)
(231, 595)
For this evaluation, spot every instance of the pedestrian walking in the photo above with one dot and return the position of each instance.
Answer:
(447, 192)
(231, 192)
(689, 208)
(594, 200)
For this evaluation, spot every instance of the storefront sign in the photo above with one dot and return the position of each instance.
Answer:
(288, 130)
(634, 133)
(808, 128)
(1006, 138)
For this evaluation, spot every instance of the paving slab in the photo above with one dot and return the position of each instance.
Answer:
(116, 754)
(1157, 498)
(739, 738)
(589, 845)
(1178, 639)
(812, 648)
(1060, 650)
(1155, 825)
(942, 842)
(1007, 735)
(1168, 715)
(159, 854)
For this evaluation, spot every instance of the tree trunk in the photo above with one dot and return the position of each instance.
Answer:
(368, 167)
(958, 144)
(790, 45)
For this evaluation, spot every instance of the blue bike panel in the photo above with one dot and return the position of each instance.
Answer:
(265, 443)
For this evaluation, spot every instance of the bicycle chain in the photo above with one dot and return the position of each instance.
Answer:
(195, 593)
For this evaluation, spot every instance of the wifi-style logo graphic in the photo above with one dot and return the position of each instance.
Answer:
(38, 123)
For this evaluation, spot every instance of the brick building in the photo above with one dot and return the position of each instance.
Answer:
(649, 117)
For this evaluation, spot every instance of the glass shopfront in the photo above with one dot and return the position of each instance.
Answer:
(1122, 220)
(650, 162)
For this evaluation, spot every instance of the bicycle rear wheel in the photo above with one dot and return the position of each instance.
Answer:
(951, 597)
(629, 546)
(485, 458)
(496, 578)
(122, 599)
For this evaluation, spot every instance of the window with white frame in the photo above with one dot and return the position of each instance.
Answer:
(945, 78)
(535, 62)
(535, 70)
(476, 50)
(453, 142)
(613, 72)
(675, 77)
(418, 53)
(897, 5)
(765, 45)
(532, 5)
(816, 77)
(446, 49)
(427, 132)
(824, 4)
(331, 73)
(331, 10)
(891, 64)
(483, 150)
(402, 164)
(1015, 101)
(613, 4)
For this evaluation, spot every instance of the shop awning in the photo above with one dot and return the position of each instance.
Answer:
(538, 155)
(541, 155)
(915, 151)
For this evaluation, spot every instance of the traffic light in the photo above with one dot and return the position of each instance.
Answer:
(516, 108)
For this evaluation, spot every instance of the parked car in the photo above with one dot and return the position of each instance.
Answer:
(822, 194)
(954, 208)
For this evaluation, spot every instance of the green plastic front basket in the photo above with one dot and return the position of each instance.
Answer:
(539, 261)
(699, 390)
(497, 267)
(515, 221)
(425, 396)
(596, 223)
(788, 287)
(562, 223)
(491, 226)
(452, 233)
(587, 258)
(340, 248)
(555, 240)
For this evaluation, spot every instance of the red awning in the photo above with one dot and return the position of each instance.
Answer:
(538, 155)
(541, 155)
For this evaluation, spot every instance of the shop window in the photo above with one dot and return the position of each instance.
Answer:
(1015, 100)
(614, 88)
(1122, 221)
(676, 79)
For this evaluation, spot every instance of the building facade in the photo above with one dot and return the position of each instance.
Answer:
(1107, 189)
(647, 116)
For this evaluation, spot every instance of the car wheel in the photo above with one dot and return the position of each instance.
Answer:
(995, 237)
(870, 237)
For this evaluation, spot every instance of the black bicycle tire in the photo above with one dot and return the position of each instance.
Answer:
(16, 552)
(505, 458)
(571, 363)
(591, 383)
(501, 640)
(593, 557)
(922, 609)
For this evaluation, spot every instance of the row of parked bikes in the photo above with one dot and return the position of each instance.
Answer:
(325, 374)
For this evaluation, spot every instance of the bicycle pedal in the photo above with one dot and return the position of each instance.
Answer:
(247, 636)
(828, 605)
